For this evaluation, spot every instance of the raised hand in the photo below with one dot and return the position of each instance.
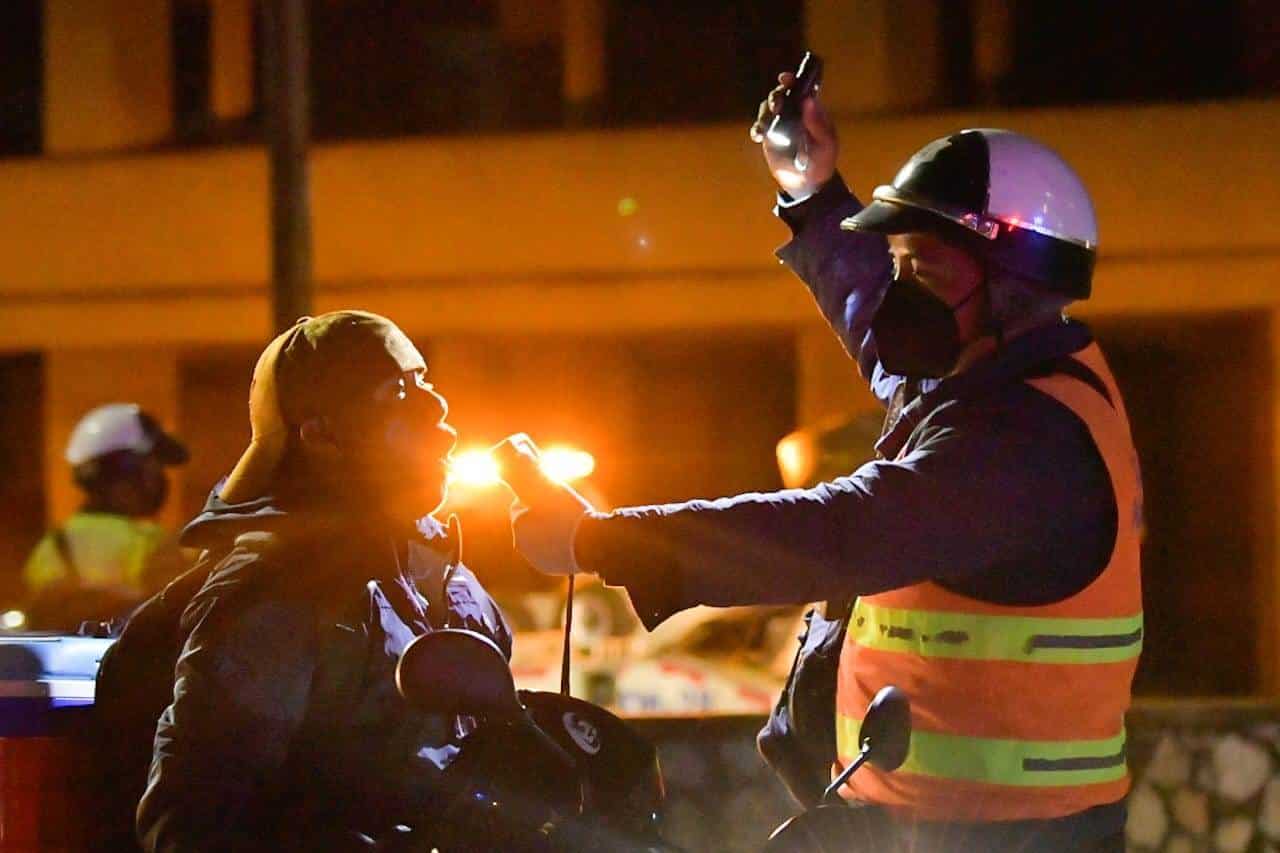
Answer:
(822, 143)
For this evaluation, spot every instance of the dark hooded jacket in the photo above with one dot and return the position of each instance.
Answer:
(283, 728)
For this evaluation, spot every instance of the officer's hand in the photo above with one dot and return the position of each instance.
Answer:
(545, 514)
(823, 146)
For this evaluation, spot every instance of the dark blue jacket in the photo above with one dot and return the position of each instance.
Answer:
(285, 729)
(985, 485)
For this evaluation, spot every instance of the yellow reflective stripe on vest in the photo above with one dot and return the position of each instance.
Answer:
(1003, 762)
(986, 637)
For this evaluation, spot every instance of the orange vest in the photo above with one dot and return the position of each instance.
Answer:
(1017, 712)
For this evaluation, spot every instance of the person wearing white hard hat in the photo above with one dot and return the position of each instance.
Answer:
(987, 562)
(109, 555)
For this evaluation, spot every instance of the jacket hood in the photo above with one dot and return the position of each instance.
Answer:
(219, 523)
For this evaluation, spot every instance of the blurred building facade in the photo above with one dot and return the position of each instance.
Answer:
(558, 198)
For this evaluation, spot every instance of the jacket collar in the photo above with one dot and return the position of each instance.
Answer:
(1012, 362)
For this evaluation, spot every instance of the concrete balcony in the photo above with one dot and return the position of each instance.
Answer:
(594, 231)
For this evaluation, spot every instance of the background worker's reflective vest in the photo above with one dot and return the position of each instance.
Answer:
(98, 550)
(1018, 712)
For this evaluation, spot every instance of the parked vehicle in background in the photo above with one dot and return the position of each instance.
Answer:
(47, 796)
(702, 661)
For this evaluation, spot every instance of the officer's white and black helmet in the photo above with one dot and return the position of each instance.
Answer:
(1011, 198)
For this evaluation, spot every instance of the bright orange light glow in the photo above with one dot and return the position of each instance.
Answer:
(475, 468)
(795, 460)
(566, 464)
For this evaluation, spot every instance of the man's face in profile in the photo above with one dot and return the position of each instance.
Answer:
(396, 447)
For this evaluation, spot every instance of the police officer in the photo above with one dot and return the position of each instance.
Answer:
(109, 554)
(992, 548)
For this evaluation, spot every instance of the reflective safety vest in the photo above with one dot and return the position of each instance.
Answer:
(99, 551)
(1017, 712)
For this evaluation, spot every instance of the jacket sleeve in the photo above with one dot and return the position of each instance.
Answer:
(847, 272)
(240, 691)
(965, 500)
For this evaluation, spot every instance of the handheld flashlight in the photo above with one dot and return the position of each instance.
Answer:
(786, 131)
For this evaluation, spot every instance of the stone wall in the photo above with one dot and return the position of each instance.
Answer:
(1206, 780)
(1206, 777)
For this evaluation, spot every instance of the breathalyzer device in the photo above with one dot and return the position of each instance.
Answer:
(786, 132)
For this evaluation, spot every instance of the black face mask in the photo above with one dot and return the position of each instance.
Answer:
(916, 332)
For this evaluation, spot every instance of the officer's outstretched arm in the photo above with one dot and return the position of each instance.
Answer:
(967, 498)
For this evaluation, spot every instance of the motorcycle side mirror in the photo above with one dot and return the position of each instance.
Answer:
(455, 671)
(886, 729)
(883, 737)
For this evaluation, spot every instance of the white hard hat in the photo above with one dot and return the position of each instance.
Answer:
(121, 426)
(1031, 212)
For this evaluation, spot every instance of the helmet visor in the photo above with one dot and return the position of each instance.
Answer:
(895, 211)
(164, 447)
(884, 217)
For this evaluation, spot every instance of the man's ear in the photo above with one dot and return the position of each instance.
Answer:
(317, 438)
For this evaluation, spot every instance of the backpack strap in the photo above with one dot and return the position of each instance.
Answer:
(63, 543)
